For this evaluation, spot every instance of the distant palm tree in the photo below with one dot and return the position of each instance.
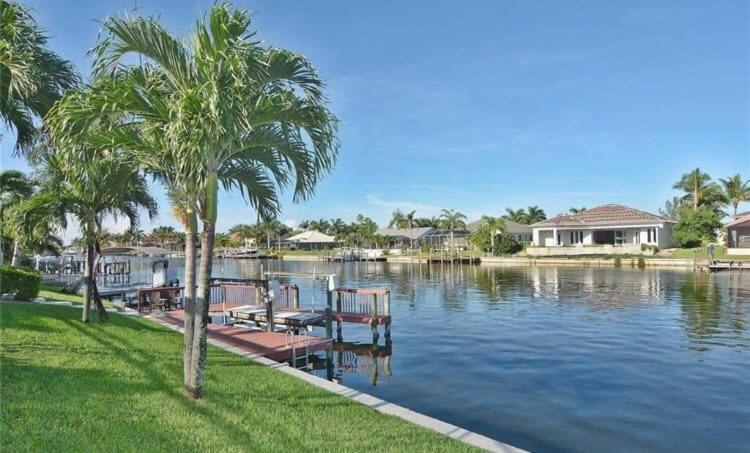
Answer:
(518, 215)
(697, 185)
(495, 225)
(409, 220)
(535, 214)
(397, 219)
(575, 210)
(32, 77)
(671, 208)
(735, 191)
(14, 187)
(452, 220)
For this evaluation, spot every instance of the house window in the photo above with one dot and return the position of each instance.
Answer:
(576, 237)
(637, 237)
(653, 235)
(559, 240)
(619, 237)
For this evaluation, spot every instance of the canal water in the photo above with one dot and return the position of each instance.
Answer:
(553, 358)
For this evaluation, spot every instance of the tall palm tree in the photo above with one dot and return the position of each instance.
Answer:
(89, 191)
(517, 215)
(452, 220)
(696, 185)
(409, 221)
(535, 214)
(575, 210)
(735, 191)
(230, 111)
(397, 219)
(14, 187)
(32, 77)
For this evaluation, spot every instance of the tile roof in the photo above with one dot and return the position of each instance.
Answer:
(608, 214)
(311, 236)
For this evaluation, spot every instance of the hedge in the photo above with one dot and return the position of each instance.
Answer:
(22, 282)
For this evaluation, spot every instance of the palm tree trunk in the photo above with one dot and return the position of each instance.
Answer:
(198, 357)
(89, 278)
(189, 297)
(16, 254)
(695, 199)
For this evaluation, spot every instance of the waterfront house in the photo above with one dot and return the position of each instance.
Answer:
(403, 237)
(607, 229)
(518, 231)
(310, 240)
(738, 235)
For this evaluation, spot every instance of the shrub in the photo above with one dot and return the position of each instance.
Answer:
(649, 247)
(641, 262)
(696, 226)
(506, 245)
(618, 261)
(23, 283)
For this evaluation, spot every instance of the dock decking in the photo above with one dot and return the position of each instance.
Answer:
(273, 345)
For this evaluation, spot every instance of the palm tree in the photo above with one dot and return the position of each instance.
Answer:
(671, 208)
(575, 210)
(226, 109)
(735, 191)
(397, 219)
(535, 214)
(14, 187)
(88, 191)
(696, 185)
(452, 220)
(518, 215)
(409, 221)
(32, 77)
(495, 225)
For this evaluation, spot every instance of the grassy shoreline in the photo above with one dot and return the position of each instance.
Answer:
(116, 386)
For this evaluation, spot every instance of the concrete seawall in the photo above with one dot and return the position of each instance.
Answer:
(595, 262)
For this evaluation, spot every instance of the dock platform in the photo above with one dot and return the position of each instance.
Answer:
(716, 266)
(273, 345)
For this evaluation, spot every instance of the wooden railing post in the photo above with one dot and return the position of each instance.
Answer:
(295, 296)
(374, 318)
(269, 309)
(387, 303)
(339, 336)
(329, 315)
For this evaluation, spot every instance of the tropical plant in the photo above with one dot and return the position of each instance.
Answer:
(397, 219)
(431, 222)
(451, 220)
(671, 208)
(32, 77)
(485, 236)
(535, 214)
(224, 109)
(88, 191)
(699, 188)
(735, 191)
(575, 210)
(696, 226)
(517, 215)
(14, 187)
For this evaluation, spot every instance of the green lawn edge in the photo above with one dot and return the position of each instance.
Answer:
(115, 386)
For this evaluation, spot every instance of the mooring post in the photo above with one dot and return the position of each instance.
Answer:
(339, 336)
(329, 315)
(269, 309)
(387, 303)
(295, 296)
(374, 318)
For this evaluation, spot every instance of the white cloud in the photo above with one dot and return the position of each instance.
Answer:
(423, 210)
(291, 223)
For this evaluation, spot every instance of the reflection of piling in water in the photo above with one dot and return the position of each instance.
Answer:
(363, 358)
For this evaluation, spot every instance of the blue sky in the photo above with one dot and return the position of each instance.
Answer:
(485, 105)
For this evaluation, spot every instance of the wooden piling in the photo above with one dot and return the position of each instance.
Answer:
(295, 297)
(269, 310)
(374, 321)
(329, 315)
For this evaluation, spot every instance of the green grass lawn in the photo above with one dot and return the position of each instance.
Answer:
(702, 254)
(115, 386)
(52, 291)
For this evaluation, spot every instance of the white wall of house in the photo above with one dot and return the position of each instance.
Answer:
(659, 235)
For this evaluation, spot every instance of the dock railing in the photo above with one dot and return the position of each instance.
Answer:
(374, 302)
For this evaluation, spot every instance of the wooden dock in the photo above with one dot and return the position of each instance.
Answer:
(273, 345)
(716, 266)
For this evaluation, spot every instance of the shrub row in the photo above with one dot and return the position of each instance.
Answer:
(23, 283)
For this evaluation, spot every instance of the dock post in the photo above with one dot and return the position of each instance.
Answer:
(387, 310)
(339, 336)
(329, 315)
(374, 318)
(269, 309)
(295, 296)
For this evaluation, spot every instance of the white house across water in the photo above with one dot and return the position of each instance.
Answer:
(611, 228)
